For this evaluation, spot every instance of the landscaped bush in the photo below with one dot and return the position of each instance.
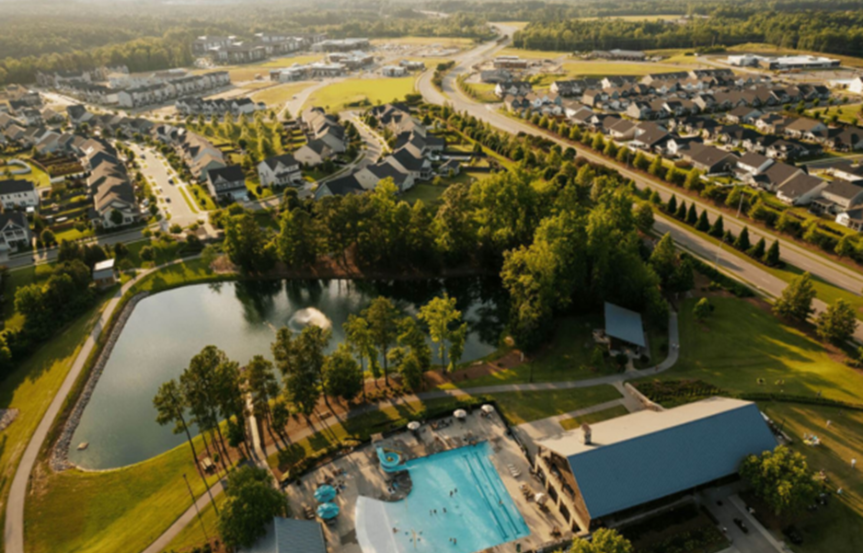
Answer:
(669, 393)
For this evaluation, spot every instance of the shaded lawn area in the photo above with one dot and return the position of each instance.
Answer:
(18, 278)
(117, 510)
(565, 358)
(31, 387)
(192, 535)
(280, 94)
(521, 407)
(838, 528)
(571, 423)
(428, 193)
(337, 96)
(740, 343)
(186, 272)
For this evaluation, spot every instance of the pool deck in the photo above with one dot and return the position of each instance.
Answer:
(360, 474)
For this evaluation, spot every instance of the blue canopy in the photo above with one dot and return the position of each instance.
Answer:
(328, 510)
(325, 493)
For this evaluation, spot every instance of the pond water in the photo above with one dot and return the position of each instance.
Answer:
(167, 329)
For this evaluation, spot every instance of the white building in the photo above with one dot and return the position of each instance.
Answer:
(18, 193)
(280, 170)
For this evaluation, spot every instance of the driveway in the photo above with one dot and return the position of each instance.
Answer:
(758, 540)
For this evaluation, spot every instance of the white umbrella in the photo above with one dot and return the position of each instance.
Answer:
(488, 408)
(460, 413)
(540, 498)
(413, 425)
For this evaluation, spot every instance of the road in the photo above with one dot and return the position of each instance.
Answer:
(167, 186)
(792, 253)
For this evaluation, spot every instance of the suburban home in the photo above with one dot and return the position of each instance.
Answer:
(200, 155)
(18, 193)
(847, 171)
(743, 114)
(227, 182)
(513, 88)
(341, 186)
(753, 163)
(775, 176)
(710, 160)
(800, 189)
(804, 128)
(407, 162)
(370, 175)
(14, 231)
(608, 470)
(394, 71)
(852, 218)
(280, 171)
(313, 153)
(649, 136)
(771, 123)
(111, 189)
(856, 85)
(838, 197)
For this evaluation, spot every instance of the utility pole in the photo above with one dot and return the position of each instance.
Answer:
(195, 503)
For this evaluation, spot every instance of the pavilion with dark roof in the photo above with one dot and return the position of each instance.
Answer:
(623, 327)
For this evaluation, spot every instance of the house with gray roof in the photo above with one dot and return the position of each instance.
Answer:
(800, 189)
(614, 468)
(14, 231)
(290, 535)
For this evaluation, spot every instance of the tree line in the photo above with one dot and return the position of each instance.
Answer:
(814, 29)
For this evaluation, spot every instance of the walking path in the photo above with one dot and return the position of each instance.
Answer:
(616, 380)
(13, 534)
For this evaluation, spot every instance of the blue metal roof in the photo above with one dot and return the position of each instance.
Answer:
(631, 472)
(624, 324)
(290, 535)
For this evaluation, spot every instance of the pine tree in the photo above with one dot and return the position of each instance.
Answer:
(703, 223)
(742, 242)
(692, 215)
(717, 229)
(681, 211)
(771, 258)
(655, 199)
(757, 251)
(671, 207)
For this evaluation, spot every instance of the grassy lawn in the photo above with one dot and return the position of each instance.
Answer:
(280, 94)
(202, 194)
(740, 343)
(484, 91)
(521, 407)
(565, 358)
(192, 535)
(533, 54)
(428, 193)
(839, 527)
(849, 113)
(186, 272)
(604, 67)
(31, 387)
(118, 510)
(336, 96)
(192, 205)
(18, 278)
(570, 423)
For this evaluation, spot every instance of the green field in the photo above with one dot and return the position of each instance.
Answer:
(521, 407)
(740, 343)
(850, 113)
(839, 527)
(280, 94)
(192, 535)
(114, 511)
(533, 54)
(338, 96)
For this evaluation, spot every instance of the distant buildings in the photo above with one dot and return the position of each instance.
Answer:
(218, 107)
(783, 63)
(234, 50)
(341, 45)
(509, 62)
(620, 55)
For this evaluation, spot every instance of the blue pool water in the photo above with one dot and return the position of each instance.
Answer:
(479, 515)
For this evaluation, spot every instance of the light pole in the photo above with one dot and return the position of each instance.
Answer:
(195, 503)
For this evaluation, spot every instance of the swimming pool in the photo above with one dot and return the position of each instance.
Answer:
(479, 513)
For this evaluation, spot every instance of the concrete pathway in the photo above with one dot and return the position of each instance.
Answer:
(13, 534)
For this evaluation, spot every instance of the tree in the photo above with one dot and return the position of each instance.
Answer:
(837, 323)
(671, 207)
(246, 244)
(796, 299)
(263, 385)
(442, 318)
(231, 399)
(359, 338)
(693, 181)
(781, 478)
(703, 223)
(681, 211)
(644, 217)
(300, 373)
(757, 251)
(251, 502)
(656, 168)
(717, 229)
(641, 161)
(413, 355)
(170, 408)
(742, 241)
(597, 359)
(604, 540)
(382, 317)
(201, 392)
(692, 215)
(48, 237)
(771, 258)
(702, 309)
(663, 259)
(116, 217)
(343, 377)
(844, 247)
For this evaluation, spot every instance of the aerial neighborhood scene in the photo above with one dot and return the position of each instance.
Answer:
(477, 276)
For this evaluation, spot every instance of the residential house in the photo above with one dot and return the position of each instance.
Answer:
(649, 136)
(341, 186)
(847, 171)
(280, 171)
(200, 155)
(227, 182)
(409, 163)
(18, 193)
(111, 189)
(838, 197)
(753, 163)
(805, 129)
(710, 160)
(371, 175)
(800, 189)
(313, 153)
(14, 231)
(512, 88)
(743, 114)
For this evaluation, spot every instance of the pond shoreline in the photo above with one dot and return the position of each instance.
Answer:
(60, 453)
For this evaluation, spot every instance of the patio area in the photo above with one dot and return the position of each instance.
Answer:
(360, 477)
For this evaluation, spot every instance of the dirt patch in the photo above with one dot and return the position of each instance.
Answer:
(510, 360)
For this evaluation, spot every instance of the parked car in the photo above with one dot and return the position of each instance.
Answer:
(793, 535)
(742, 525)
